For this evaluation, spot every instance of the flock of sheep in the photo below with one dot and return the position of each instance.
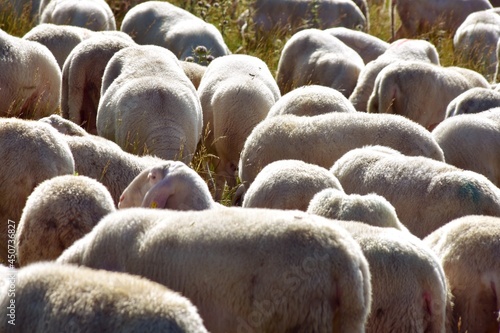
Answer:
(368, 174)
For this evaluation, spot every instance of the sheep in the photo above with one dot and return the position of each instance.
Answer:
(82, 78)
(59, 211)
(371, 209)
(236, 93)
(279, 16)
(311, 100)
(467, 250)
(476, 39)
(59, 39)
(366, 45)
(7, 274)
(163, 24)
(148, 105)
(425, 193)
(171, 185)
(62, 39)
(101, 159)
(30, 79)
(31, 152)
(420, 17)
(64, 126)
(288, 184)
(316, 277)
(407, 49)
(94, 15)
(313, 56)
(472, 142)
(409, 288)
(474, 100)
(51, 297)
(83, 71)
(194, 72)
(419, 91)
(323, 139)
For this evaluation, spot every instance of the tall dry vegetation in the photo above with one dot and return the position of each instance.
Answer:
(224, 15)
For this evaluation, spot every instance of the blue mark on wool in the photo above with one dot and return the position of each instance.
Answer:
(470, 192)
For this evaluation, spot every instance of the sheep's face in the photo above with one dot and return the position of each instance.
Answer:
(145, 187)
(134, 194)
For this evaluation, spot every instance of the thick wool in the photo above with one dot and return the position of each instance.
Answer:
(236, 93)
(244, 269)
(57, 213)
(288, 184)
(426, 193)
(325, 138)
(148, 105)
(52, 298)
(467, 250)
(31, 152)
(164, 24)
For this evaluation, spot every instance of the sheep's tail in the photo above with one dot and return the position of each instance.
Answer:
(393, 4)
(494, 282)
(495, 287)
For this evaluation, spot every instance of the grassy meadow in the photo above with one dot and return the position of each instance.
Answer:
(224, 15)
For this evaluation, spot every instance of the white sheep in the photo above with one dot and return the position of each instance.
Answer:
(148, 105)
(367, 46)
(371, 209)
(51, 298)
(62, 39)
(164, 24)
(194, 72)
(468, 249)
(59, 39)
(30, 79)
(406, 49)
(425, 193)
(419, 91)
(425, 16)
(474, 100)
(278, 16)
(288, 184)
(311, 100)
(257, 270)
(409, 288)
(323, 139)
(58, 212)
(101, 159)
(82, 78)
(7, 275)
(94, 15)
(236, 93)
(64, 126)
(313, 56)
(472, 142)
(31, 152)
(475, 41)
(171, 185)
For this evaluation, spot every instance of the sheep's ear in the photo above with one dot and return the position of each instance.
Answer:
(158, 195)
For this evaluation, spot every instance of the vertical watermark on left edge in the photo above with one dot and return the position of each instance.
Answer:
(11, 279)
